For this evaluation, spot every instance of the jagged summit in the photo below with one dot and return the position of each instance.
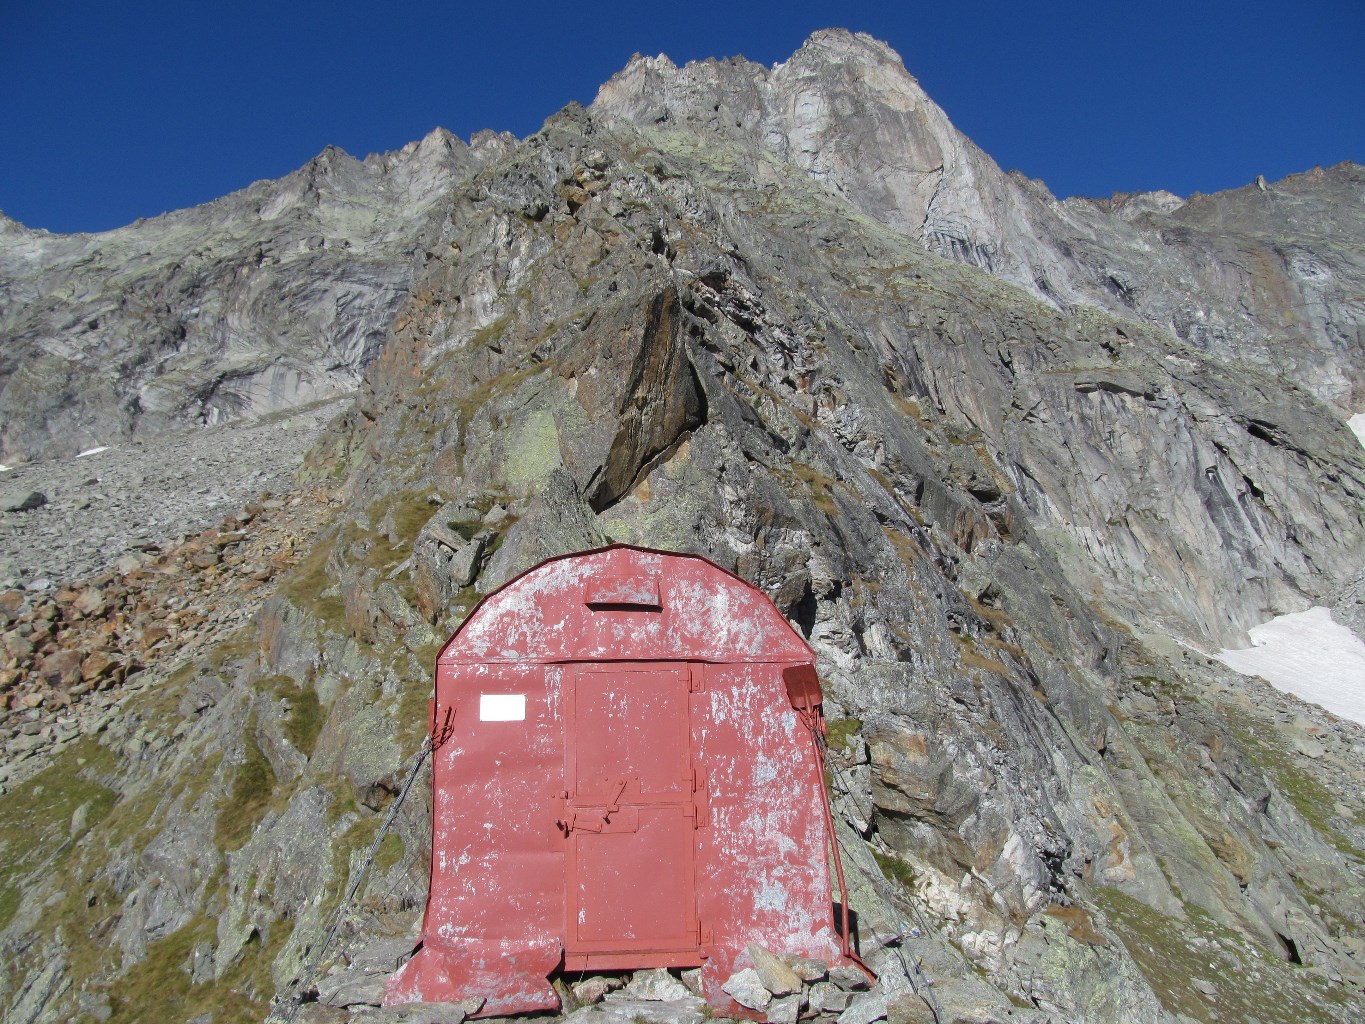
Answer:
(860, 55)
(845, 110)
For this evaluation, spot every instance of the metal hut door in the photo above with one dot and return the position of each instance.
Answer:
(633, 803)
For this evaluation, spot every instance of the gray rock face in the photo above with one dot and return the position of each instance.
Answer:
(746, 988)
(423, 1013)
(826, 997)
(269, 298)
(865, 1008)
(590, 990)
(850, 979)
(30, 501)
(1010, 465)
(352, 989)
(657, 984)
(132, 497)
(784, 1010)
(776, 977)
(1215, 271)
(641, 1011)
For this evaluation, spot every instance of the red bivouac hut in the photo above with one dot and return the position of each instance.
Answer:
(625, 776)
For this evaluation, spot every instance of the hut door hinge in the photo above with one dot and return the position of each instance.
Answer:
(696, 679)
(699, 812)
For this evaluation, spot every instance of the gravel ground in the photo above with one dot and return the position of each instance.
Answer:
(144, 493)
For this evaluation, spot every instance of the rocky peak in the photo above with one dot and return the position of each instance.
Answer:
(1131, 205)
(899, 159)
(845, 110)
(843, 46)
(434, 145)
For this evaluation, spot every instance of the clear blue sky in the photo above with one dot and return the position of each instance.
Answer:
(112, 111)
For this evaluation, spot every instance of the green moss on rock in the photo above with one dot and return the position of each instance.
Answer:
(841, 735)
(36, 818)
(390, 852)
(532, 451)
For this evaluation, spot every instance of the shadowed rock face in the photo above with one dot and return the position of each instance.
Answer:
(1009, 464)
(662, 402)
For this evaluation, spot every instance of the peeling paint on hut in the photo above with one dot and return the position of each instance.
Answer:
(625, 776)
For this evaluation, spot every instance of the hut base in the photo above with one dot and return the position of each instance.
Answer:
(517, 973)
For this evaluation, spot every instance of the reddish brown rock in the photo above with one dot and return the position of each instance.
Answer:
(62, 668)
(153, 635)
(96, 666)
(90, 602)
(11, 604)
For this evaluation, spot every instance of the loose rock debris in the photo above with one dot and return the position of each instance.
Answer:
(70, 654)
(652, 996)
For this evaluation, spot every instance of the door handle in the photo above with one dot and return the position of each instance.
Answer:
(593, 823)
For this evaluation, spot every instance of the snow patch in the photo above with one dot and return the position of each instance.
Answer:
(1357, 424)
(1309, 655)
(93, 451)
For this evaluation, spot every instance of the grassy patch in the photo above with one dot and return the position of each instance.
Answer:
(466, 528)
(1079, 924)
(239, 645)
(390, 852)
(83, 917)
(842, 734)
(158, 988)
(252, 789)
(413, 702)
(343, 798)
(410, 514)
(35, 818)
(200, 777)
(475, 395)
(304, 722)
(911, 408)
(820, 485)
(305, 585)
(1310, 797)
(358, 837)
(910, 553)
(408, 511)
(134, 816)
(490, 332)
(895, 869)
(1251, 984)
(969, 657)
